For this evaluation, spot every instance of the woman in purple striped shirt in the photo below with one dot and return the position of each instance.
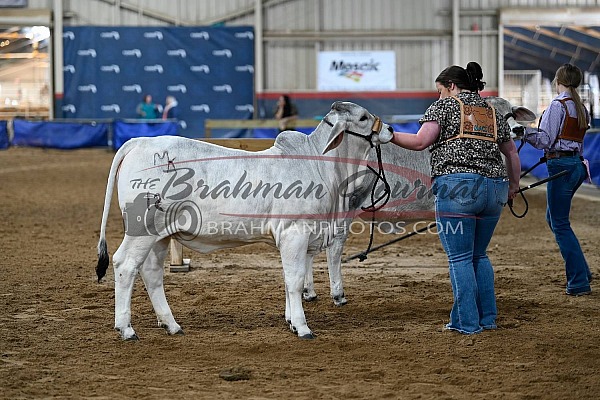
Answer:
(560, 134)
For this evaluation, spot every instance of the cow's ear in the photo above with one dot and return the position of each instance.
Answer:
(336, 136)
(523, 114)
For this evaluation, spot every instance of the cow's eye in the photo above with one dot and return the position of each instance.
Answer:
(363, 118)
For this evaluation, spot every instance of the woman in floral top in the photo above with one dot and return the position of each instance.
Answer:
(472, 183)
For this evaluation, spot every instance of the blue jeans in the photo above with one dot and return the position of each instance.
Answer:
(560, 192)
(468, 207)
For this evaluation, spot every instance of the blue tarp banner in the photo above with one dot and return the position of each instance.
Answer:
(271, 133)
(4, 143)
(409, 127)
(529, 156)
(123, 131)
(59, 135)
(591, 151)
(209, 70)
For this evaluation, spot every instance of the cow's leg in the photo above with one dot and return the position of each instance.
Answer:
(309, 293)
(127, 261)
(152, 273)
(334, 265)
(293, 257)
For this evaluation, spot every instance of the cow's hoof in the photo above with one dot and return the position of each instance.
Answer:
(309, 295)
(131, 338)
(308, 336)
(127, 333)
(176, 331)
(339, 300)
(309, 298)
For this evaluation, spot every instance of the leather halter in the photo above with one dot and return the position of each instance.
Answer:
(375, 129)
(380, 176)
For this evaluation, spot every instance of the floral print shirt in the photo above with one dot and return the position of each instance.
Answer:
(464, 155)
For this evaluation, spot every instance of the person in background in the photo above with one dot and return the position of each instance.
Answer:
(471, 184)
(147, 109)
(285, 112)
(170, 109)
(560, 134)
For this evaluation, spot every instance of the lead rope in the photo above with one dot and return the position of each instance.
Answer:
(380, 175)
(542, 160)
(373, 208)
(512, 211)
(521, 190)
(548, 179)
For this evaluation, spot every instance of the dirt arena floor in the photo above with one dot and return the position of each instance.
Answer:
(57, 341)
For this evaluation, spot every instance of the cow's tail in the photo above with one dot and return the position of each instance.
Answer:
(103, 258)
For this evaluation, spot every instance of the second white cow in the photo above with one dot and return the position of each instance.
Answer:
(514, 115)
(408, 174)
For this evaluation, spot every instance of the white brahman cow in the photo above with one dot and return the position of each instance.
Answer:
(209, 197)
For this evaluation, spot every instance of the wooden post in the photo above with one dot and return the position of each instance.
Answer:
(178, 263)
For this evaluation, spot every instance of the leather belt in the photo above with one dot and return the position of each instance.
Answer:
(559, 154)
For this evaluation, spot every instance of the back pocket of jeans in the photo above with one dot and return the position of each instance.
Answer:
(501, 190)
(462, 191)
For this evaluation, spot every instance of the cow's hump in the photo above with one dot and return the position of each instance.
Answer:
(291, 141)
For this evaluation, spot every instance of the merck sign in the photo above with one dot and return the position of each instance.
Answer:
(356, 70)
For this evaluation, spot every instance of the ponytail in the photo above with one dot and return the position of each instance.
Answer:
(581, 114)
(570, 76)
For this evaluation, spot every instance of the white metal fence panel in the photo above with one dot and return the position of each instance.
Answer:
(525, 88)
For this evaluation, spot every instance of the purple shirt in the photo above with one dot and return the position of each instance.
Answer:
(551, 124)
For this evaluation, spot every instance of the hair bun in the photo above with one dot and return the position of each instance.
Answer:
(474, 69)
(476, 74)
